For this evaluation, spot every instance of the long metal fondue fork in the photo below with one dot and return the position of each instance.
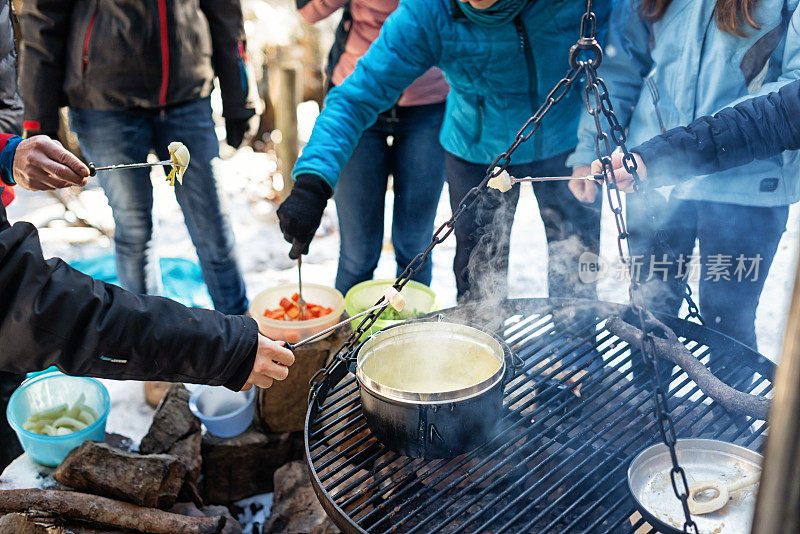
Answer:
(591, 177)
(318, 335)
(93, 168)
(301, 302)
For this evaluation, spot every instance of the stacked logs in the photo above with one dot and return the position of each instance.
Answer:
(120, 490)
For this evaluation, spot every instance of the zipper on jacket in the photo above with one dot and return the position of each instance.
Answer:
(162, 23)
(525, 48)
(87, 38)
(480, 116)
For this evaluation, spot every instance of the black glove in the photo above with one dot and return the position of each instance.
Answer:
(301, 213)
(235, 130)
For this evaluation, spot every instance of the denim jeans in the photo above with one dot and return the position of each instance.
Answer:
(483, 232)
(108, 137)
(415, 159)
(730, 287)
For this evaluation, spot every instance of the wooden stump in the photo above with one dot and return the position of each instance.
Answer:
(176, 431)
(244, 466)
(296, 507)
(151, 480)
(282, 407)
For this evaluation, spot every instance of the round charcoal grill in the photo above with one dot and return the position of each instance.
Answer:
(575, 416)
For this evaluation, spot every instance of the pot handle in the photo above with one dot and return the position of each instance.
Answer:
(511, 370)
(351, 359)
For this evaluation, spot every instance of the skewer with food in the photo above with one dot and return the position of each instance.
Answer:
(178, 161)
(179, 155)
(503, 181)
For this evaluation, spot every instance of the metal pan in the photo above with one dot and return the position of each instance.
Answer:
(434, 424)
(702, 459)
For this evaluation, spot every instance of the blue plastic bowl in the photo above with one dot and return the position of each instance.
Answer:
(47, 391)
(225, 413)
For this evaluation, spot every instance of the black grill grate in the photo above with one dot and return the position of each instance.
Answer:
(558, 460)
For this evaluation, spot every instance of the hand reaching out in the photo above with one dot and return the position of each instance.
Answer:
(584, 190)
(624, 178)
(272, 363)
(42, 164)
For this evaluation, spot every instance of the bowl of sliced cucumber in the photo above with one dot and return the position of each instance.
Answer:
(53, 413)
(420, 300)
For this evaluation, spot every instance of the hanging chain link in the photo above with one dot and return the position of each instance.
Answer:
(594, 87)
(595, 90)
(499, 165)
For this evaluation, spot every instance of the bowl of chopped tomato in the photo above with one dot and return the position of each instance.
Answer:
(279, 317)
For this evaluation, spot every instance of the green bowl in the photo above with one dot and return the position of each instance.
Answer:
(364, 295)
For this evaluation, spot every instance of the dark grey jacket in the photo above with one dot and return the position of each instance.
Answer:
(130, 54)
(51, 314)
(757, 128)
(10, 100)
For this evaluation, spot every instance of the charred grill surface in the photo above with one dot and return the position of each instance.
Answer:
(574, 417)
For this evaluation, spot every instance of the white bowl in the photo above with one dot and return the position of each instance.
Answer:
(294, 331)
(225, 413)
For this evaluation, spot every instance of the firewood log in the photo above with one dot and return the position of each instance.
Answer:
(670, 348)
(151, 480)
(107, 512)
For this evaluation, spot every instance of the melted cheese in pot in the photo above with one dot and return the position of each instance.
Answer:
(430, 370)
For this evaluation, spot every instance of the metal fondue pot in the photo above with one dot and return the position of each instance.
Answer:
(432, 389)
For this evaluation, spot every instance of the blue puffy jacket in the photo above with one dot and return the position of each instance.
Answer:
(757, 128)
(698, 70)
(498, 77)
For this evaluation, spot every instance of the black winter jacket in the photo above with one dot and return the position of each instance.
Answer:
(10, 100)
(757, 128)
(51, 314)
(130, 54)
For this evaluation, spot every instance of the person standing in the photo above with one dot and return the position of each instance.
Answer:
(137, 75)
(414, 158)
(501, 59)
(730, 50)
(10, 122)
(51, 314)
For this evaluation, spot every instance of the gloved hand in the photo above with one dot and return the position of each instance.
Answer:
(235, 130)
(301, 213)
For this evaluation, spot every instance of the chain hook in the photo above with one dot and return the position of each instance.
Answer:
(586, 44)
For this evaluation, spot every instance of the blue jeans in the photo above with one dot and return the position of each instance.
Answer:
(110, 136)
(483, 232)
(730, 288)
(415, 159)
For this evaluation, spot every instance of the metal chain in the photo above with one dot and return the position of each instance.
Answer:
(499, 165)
(595, 87)
(618, 136)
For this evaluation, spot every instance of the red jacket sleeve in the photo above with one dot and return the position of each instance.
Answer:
(6, 194)
(6, 191)
(4, 139)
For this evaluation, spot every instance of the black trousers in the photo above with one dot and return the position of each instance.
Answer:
(9, 444)
(483, 233)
